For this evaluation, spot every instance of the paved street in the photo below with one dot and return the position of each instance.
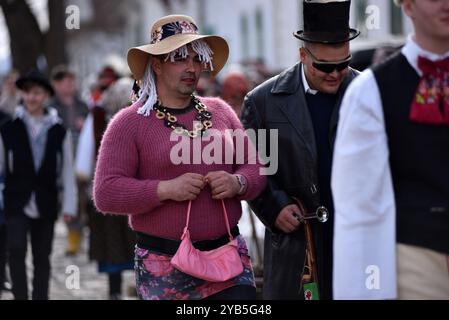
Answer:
(92, 285)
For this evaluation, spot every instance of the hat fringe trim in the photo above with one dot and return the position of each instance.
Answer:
(200, 47)
(204, 51)
(148, 94)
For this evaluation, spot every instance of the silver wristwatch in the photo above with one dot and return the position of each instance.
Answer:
(242, 182)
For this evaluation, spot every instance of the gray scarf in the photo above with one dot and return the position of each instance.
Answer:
(37, 129)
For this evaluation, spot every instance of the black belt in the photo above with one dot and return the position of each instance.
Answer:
(168, 246)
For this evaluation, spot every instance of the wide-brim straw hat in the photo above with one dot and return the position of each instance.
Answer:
(170, 33)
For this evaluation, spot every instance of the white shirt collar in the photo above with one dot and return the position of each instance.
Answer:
(412, 50)
(307, 88)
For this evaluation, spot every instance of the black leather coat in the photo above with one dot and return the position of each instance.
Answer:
(280, 104)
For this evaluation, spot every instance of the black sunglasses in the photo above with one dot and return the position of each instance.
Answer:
(329, 67)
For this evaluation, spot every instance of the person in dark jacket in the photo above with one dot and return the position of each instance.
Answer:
(36, 161)
(4, 118)
(302, 104)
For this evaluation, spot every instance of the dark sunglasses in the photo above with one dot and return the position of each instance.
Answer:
(329, 67)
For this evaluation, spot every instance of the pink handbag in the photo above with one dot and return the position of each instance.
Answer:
(216, 265)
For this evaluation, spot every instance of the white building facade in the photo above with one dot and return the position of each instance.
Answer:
(263, 29)
(254, 29)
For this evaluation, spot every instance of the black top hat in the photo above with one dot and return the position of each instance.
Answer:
(326, 22)
(34, 77)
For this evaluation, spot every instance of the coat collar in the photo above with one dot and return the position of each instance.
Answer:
(290, 99)
(292, 103)
(288, 81)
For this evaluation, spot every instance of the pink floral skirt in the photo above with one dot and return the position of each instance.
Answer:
(157, 279)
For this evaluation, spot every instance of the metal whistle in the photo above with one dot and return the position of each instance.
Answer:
(321, 214)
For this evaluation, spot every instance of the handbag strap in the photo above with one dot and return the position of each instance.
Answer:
(225, 214)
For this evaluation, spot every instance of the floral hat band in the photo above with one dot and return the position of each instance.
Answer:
(172, 28)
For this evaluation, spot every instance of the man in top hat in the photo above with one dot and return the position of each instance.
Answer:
(139, 172)
(302, 104)
(390, 175)
(36, 161)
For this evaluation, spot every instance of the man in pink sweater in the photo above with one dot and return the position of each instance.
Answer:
(170, 148)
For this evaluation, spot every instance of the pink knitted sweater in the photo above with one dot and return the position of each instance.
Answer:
(135, 155)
